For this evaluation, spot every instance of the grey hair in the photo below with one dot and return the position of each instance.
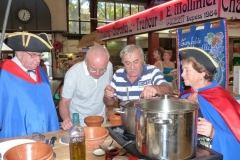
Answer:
(98, 51)
(129, 49)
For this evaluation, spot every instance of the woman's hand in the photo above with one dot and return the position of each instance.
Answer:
(205, 128)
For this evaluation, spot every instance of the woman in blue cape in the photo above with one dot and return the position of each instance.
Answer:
(26, 104)
(219, 114)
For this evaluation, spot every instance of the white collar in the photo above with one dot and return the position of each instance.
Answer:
(86, 71)
(85, 68)
(16, 60)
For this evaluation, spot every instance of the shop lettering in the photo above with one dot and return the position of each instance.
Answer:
(190, 5)
(191, 43)
(210, 13)
(146, 23)
(231, 6)
(205, 47)
(104, 34)
(193, 18)
(175, 20)
(121, 30)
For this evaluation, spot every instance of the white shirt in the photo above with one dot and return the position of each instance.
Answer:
(31, 74)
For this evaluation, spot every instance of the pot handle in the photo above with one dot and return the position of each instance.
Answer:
(160, 120)
(118, 110)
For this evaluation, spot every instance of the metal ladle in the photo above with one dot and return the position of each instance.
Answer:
(125, 144)
(121, 147)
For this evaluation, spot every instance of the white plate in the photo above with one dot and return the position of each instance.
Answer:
(4, 146)
(64, 140)
(98, 152)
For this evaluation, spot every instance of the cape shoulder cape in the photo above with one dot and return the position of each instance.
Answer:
(26, 106)
(225, 104)
(13, 68)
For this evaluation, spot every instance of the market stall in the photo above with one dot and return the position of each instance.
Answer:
(169, 17)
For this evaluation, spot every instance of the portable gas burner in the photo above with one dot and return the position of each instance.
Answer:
(121, 137)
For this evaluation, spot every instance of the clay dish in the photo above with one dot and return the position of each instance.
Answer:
(94, 136)
(33, 151)
(115, 119)
(94, 121)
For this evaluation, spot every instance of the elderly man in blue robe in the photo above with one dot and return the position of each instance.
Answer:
(26, 104)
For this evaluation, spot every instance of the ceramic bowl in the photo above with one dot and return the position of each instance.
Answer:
(94, 121)
(115, 119)
(33, 151)
(94, 136)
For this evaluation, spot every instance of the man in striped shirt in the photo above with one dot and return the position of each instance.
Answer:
(135, 79)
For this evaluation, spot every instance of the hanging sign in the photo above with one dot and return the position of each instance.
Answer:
(167, 15)
(213, 40)
(170, 14)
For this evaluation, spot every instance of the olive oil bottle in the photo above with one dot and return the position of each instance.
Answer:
(77, 140)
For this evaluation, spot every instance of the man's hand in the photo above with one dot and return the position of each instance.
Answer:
(148, 92)
(109, 91)
(67, 123)
(108, 95)
(154, 90)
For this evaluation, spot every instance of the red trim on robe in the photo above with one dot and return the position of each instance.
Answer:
(13, 68)
(226, 106)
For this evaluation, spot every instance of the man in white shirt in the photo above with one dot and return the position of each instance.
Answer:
(84, 84)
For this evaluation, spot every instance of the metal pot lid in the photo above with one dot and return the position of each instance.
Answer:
(167, 103)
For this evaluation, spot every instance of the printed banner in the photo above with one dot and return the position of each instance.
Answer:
(163, 16)
(214, 40)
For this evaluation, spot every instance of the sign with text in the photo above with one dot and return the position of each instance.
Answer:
(170, 15)
(230, 9)
(211, 39)
(167, 15)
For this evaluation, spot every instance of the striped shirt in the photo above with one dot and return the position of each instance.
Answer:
(150, 76)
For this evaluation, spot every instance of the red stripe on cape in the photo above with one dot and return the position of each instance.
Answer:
(13, 68)
(226, 106)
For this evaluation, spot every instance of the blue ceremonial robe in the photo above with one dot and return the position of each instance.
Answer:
(221, 109)
(26, 106)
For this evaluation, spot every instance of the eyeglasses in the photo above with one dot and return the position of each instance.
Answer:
(35, 55)
(95, 70)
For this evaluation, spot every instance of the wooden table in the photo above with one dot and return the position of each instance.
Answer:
(62, 150)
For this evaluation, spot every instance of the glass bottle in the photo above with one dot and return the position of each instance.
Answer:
(77, 140)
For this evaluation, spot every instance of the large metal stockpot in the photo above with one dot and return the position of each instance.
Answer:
(166, 128)
(128, 112)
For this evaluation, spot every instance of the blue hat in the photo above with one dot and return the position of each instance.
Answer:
(200, 56)
(23, 41)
